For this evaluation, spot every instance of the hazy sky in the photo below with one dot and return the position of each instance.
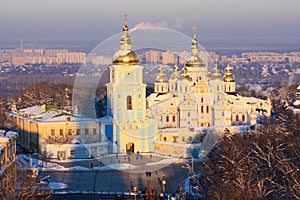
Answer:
(98, 19)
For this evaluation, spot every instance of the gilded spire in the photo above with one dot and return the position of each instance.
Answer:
(125, 56)
(194, 43)
(125, 43)
(195, 28)
(216, 74)
(228, 76)
(161, 69)
(161, 77)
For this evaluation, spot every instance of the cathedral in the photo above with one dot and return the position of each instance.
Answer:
(191, 99)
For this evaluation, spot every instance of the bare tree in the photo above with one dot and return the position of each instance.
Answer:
(263, 165)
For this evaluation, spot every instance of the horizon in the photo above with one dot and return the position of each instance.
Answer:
(94, 20)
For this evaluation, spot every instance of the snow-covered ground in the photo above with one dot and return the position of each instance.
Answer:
(51, 166)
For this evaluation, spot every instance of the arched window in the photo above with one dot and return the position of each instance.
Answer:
(243, 117)
(129, 103)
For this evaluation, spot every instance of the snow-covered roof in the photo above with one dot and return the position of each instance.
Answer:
(32, 110)
(105, 119)
(297, 103)
(158, 97)
(7, 134)
(36, 113)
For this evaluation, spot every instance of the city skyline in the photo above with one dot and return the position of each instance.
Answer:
(66, 20)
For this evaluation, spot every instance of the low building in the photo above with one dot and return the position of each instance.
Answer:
(7, 147)
(58, 134)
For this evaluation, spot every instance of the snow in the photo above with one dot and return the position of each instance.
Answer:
(57, 185)
(121, 53)
(118, 166)
(36, 113)
(8, 134)
(296, 103)
(165, 162)
(77, 167)
(32, 110)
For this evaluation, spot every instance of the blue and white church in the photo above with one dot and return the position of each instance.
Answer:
(126, 127)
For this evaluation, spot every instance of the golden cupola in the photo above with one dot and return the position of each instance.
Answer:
(125, 56)
(228, 76)
(175, 73)
(194, 60)
(216, 72)
(161, 77)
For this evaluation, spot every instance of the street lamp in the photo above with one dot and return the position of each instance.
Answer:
(135, 191)
(164, 183)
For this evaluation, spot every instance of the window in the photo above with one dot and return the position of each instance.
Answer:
(69, 131)
(237, 118)
(229, 89)
(174, 118)
(189, 114)
(207, 109)
(183, 138)
(78, 131)
(161, 118)
(94, 131)
(202, 109)
(86, 131)
(167, 118)
(61, 132)
(243, 117)
(52, 132)
(201, 99)
(139, 95)
(129, 103)
(165, 139)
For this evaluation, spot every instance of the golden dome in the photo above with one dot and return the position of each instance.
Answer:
(194, 60)
(175, 73)
(228, 76)
(161, 77)
(216, 73)
(125, 56)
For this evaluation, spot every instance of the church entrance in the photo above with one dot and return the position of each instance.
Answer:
(130, 147)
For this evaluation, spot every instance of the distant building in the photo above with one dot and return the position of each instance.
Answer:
(21, 57)
(152, 56)
(168, 57)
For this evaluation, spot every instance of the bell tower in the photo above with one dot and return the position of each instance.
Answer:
(126, 93)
